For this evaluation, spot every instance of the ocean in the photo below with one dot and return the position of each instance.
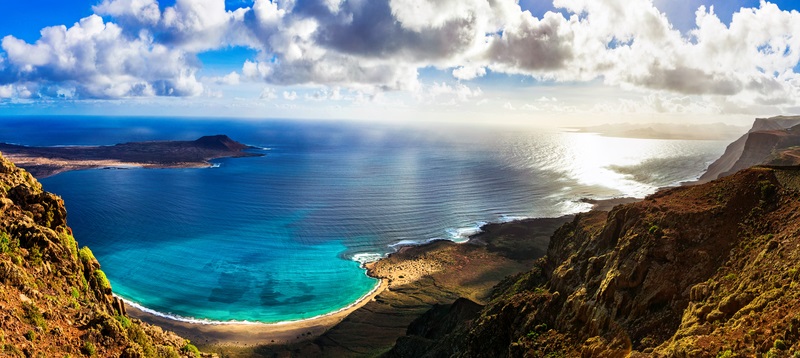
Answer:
(281, 237)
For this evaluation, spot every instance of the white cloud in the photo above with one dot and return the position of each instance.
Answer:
(467, 73)
(230, 79)
(268, 93)
(140, 11)
(379, 45)
(6, 91)
(443, 92)
(94, 59)
(289, 96)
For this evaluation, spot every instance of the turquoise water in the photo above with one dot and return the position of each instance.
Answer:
(280, 237)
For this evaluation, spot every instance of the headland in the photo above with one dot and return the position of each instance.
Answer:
(42, 162)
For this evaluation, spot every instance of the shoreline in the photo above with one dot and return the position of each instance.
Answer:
(245, 333)
(48, 167)
(251, 334)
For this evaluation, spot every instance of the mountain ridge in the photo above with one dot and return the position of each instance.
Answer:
(55, 300)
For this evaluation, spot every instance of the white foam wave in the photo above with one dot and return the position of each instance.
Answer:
(463, 234)
(367, 257)
(510, 218)
(213, 322)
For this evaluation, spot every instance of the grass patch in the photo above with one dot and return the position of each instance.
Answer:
(190, 349)
(30, 335)
(124, 321)
(102, 280)
(35, 255)
(7, 244)
(730, 277)
(33, 315)
(89, 349)
(86, 255)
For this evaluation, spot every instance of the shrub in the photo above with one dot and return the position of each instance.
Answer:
(35, 255)
(89, 349)
(655, 231)
(30, 335)
(6, 244)
(725, 354)
(779, 344)
(124, 321)
(69, 241)
(190, 349)
(33, 315)
(766, 189)
(102, 280)
(86, 255)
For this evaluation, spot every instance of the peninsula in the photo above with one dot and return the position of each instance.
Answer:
(42, 162)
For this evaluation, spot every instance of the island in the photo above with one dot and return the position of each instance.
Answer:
(43, 162)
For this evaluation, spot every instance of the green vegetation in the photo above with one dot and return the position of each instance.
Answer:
(766, 189)
(136, 334)
(69, 241)
(30, 335)
(725, 354)
(89, 349)
(33, 316)
(655, 231)
(779, 344)
(7, 244)
(124, 321)
(730, 277)
(75, 293)
(190, 349)
(101, 279)
(86, 255)
(35, 255)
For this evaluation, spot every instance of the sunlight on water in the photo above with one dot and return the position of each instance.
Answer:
(280, 237)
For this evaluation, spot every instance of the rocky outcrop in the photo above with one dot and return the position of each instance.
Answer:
(759, 145)
(55, 300)
(700, 271)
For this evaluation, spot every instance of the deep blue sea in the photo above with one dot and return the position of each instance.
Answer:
(280, 237)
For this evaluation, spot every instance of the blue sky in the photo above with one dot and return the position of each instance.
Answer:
(538, 62)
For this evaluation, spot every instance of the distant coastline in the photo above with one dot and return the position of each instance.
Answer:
(43, 162)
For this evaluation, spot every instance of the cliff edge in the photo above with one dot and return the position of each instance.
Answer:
(55, 300)
(701, 271)
(765, 140)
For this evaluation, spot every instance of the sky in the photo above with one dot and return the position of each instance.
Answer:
(492, 61)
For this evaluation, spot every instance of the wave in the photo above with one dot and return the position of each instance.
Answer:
(367, 257)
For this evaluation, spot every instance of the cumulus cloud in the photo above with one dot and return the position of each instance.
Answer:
(289, 96)
(230, 79)
(379, 45)
(94, 59)
(6, 91)
(469, 72)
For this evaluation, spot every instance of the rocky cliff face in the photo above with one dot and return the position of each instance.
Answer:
(766, 140)
(707, 270)
(55, 300)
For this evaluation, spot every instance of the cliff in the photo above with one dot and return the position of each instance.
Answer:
(701, 271)
(55, 300)
(765, 140)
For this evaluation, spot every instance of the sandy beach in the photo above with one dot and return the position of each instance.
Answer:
(253, 334)
(51, 166)
(411, 281)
